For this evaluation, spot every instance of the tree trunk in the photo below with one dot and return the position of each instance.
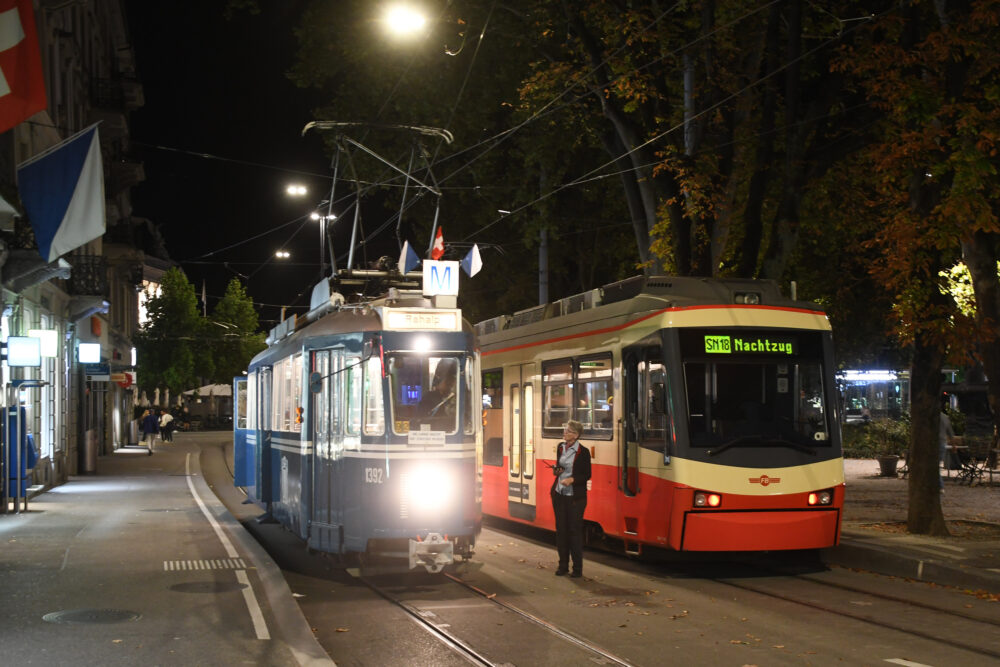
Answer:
(980, 256)
(925, 516)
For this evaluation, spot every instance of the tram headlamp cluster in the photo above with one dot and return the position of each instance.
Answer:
(751, 298)
(429, 489)
(821, 497)
(706, 499)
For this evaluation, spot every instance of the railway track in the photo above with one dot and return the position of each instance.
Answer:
(905, 614)
(533, 633)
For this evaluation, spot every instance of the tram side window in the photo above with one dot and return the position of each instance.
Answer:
(472, 389)
(374, 410)
(355, 392)
(595, 397)
(493, 389)
(296, 391)
(252, 400)
(557, 396)
(653, 378)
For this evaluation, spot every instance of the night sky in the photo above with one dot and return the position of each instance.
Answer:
(217, 87)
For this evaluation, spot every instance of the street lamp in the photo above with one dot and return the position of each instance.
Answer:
(296, 190)
(282, 254)
(404, 21)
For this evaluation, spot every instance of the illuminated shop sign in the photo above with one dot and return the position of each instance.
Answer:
(749, 345)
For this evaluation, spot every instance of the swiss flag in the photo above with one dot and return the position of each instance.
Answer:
(22, 84)
(438, 250)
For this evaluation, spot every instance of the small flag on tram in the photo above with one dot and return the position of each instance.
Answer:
(437, 251)
(472, 262)
(22, 84)
(62, 190)
(408, 259)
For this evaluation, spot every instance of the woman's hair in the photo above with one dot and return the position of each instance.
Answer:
(576, 426)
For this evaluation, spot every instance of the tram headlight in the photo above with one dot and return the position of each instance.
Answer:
(429, 489)
(706, 499)
(824, 497)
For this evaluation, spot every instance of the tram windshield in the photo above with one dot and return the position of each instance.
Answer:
(425, 393)
(746, 403)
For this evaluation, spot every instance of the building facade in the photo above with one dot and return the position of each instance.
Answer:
(77, 411)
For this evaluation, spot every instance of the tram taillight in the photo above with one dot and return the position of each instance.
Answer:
(705, 499)
(821, 497)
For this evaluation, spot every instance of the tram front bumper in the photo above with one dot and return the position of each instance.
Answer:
(760, 530)
(433, 553)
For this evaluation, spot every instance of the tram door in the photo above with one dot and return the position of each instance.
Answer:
(521, 493)
(644, 417)
(326, 523)
(244, 459)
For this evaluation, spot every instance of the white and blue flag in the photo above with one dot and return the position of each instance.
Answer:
(472, 262)
(62, 190)
(408, 259)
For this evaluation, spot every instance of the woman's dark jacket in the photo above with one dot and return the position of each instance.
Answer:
(581, 469)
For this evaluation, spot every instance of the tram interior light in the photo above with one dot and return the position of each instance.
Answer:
(821, 497)
(705, 499)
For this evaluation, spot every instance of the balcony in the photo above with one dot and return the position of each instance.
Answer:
(89, 276)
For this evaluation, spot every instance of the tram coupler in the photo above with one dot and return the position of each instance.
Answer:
(433, 552)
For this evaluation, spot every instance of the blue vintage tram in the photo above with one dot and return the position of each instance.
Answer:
(357, 427)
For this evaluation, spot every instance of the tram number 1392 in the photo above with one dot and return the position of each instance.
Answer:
(374, 476)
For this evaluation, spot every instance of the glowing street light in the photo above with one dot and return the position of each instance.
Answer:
(296, 190)
(282, 254)
(404, 20)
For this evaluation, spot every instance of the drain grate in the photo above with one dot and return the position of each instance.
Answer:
(212, 564)
(80, 616)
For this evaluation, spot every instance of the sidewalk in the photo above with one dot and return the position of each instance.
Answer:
(873, 533)
(141, 564)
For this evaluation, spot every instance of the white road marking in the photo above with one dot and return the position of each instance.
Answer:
(256, 615)
(230, 549)
(906, 663)
(259, 625)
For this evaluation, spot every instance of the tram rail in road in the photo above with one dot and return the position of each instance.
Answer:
(424, 614)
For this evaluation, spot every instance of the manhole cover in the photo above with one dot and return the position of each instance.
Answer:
(208, 587)
(91, 616)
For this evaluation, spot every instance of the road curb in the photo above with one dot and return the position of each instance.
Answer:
(862, 555)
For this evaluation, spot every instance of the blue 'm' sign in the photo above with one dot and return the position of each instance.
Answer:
(440, 278)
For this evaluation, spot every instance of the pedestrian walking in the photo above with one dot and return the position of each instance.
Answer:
(945, 434)
(150, 427)
(166, 426)
(569, 498)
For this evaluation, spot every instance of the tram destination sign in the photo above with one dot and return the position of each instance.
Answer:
(750, 345)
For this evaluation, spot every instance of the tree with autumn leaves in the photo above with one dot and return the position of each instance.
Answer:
(848, 146)
(933, 72)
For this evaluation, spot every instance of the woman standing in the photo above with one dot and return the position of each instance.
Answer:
(569, 498)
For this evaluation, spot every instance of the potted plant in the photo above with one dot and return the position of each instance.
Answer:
(889, 440)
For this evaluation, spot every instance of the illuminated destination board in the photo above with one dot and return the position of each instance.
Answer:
(421, 319)
(750, 345)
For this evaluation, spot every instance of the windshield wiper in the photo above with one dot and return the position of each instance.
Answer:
(762, 438)
(731, 443)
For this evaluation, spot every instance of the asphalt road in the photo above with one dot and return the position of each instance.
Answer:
(690, 609)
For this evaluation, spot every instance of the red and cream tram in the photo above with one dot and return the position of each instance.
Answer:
(708, 406)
